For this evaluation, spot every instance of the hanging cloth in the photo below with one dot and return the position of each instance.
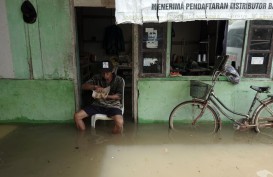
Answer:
(113, 41)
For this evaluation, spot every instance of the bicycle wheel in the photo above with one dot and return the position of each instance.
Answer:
(264, 119)
(183, 115)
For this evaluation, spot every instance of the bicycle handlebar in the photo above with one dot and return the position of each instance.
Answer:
(220, 69)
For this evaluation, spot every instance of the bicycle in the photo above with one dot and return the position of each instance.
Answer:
(203, 110)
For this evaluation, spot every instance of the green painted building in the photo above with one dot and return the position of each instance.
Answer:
(37, 73)
(39, 65)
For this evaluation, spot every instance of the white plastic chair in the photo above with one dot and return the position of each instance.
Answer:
(96, 117)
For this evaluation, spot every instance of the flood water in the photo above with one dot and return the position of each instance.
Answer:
(145, 150)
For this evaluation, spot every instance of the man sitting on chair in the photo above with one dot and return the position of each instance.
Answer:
(109, 104)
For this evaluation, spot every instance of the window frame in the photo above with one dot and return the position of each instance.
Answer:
(161, 50)
(250, 51)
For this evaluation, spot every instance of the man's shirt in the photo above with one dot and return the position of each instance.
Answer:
(116, 87)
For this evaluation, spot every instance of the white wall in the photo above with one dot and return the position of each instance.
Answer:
(6, 68)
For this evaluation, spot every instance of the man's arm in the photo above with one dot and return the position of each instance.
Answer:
(89, 86)
(113, 97)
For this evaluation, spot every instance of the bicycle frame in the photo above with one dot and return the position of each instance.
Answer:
(217, 104)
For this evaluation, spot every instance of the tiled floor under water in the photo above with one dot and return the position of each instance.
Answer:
(145, 150)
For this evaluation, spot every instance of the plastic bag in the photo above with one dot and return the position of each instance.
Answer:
(232, 75)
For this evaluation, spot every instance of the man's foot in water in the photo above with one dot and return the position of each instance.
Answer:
(117, 130)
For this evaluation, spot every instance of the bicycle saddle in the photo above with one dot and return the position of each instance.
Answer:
(260, 89)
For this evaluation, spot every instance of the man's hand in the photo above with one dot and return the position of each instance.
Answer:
(100, 92)
(98, 88)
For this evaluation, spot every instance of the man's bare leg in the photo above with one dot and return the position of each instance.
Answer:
(118, 119)
(78, 117)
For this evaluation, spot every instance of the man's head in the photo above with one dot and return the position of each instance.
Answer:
(107, 68)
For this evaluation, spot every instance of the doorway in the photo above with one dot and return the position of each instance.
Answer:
(93, 26)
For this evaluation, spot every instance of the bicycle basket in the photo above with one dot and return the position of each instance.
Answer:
(199, 89)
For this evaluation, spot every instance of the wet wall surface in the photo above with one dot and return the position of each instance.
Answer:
(142, 150)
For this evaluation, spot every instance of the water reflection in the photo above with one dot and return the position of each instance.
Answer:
(142, 150)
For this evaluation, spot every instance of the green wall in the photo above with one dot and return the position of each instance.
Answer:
(43, 61)
(43, 50)
(157, 97)
(36, 101)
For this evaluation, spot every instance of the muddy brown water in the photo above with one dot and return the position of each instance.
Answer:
(144, 150)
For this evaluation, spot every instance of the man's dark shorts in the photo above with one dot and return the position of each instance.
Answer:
(92, 109)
